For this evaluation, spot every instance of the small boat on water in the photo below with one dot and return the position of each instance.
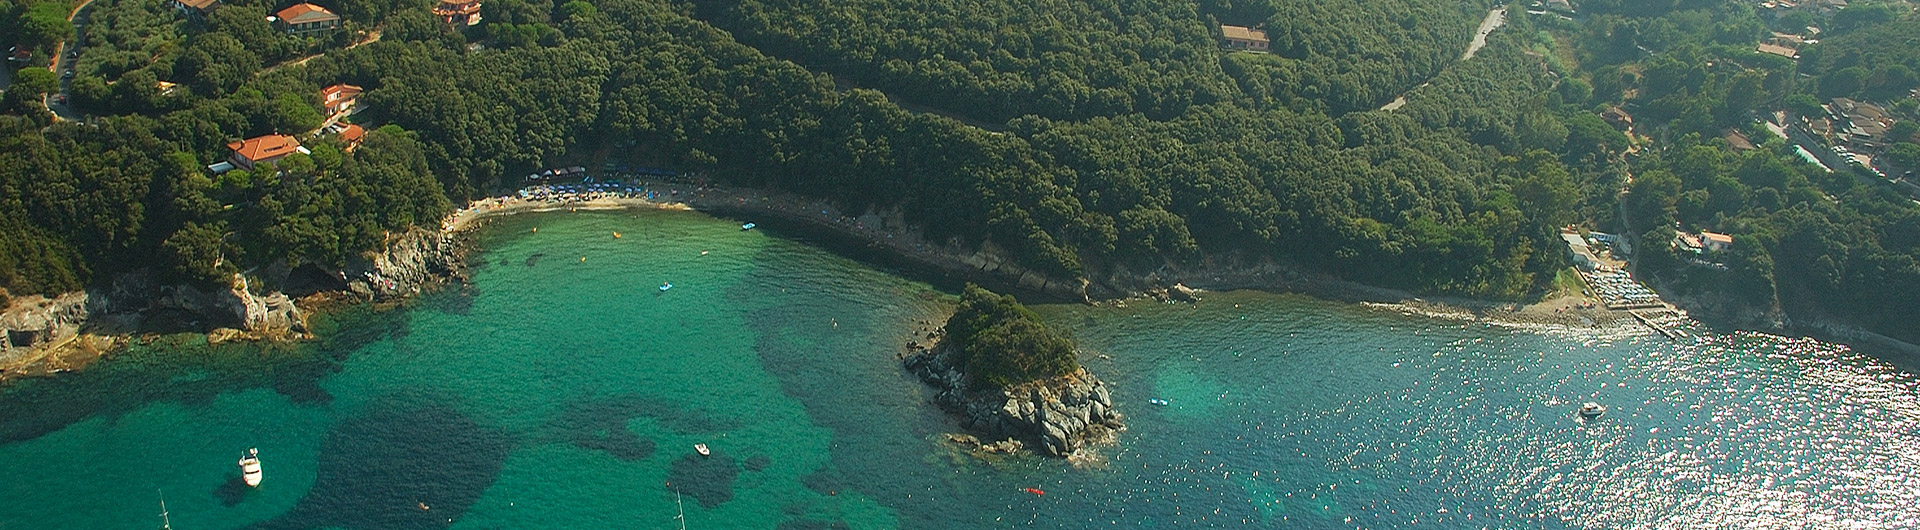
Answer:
(665, 286)
(1591, 410)
(616, 235)
(748, 226)
(1158, 401)
(166, 521)
(250, 467)
(702, 449)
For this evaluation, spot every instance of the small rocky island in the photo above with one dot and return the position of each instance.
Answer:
(1009, 376)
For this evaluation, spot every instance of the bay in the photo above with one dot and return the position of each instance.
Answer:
(564, 389)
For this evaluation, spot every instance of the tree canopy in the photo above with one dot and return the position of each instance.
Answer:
(1002, 343)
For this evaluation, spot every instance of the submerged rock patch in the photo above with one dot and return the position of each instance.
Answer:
(399, 465)
(708, 479)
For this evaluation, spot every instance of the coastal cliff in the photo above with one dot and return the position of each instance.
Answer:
(1006, 374)
(416, 260)
(40, 335)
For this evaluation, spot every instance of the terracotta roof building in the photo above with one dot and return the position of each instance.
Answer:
(262, 150)
(1243, 38)
(1715, 242)
(1618, 118)
(339, 98)
(305, 18)
(458, 12)
(1779, 50)
(193, 7)
(352, 135)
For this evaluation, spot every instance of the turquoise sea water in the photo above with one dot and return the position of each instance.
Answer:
(558, 392)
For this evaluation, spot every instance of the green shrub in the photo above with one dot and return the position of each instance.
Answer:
(1002, 343)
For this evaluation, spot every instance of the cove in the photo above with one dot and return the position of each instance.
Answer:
(567, 391)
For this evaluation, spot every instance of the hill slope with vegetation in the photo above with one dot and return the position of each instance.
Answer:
(1131, 144)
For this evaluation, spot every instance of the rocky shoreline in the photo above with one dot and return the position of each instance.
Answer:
(1054, 417)
(42, 336)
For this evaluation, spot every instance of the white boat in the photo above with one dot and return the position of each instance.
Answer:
(702, 449)
(1591, 410)
(666, 286)
(748, 226)
(1158, 401)
(250, 467)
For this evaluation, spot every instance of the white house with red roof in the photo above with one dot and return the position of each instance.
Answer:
(304, 18)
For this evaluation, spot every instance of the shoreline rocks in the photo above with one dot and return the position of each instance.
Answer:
(1054, 417)
(38, 333)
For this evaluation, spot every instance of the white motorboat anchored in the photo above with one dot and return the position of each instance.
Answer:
(1591, 410)
(702, 449)
(250, 467)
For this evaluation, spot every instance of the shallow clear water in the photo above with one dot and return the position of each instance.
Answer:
(562, 393)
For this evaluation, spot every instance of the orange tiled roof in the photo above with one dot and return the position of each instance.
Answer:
(265, 147)
(1242, 33)
(305, 12)
(353, 133)
(338, 92)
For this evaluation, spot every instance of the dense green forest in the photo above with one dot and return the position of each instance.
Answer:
(1434, 199)
(1063, 59)
(1122, 138)
(1001, 343)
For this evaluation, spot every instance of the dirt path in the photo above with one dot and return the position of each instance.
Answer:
(371, 38)
(1494, 20)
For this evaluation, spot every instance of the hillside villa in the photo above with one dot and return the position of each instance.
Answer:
(304, 18)
(258, 150)
(339, 98)
(458, 12)
(1243, 38)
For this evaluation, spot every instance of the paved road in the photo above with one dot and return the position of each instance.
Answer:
(63, 63)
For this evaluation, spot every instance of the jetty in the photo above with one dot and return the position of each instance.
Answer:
(1664, 319)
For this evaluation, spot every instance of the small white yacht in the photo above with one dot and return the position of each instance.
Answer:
(250, 467)
(1591, 410)
(702, 449)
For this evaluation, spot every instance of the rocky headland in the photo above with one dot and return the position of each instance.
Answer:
(41, 335)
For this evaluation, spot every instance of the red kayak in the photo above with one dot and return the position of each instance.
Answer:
(1036, 491)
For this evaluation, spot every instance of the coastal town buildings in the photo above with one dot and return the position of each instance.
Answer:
(1858, 123)
(304, 18)
(267, 149)
(1243, 38)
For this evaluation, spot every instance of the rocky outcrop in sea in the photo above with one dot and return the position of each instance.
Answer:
(1054, 417)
